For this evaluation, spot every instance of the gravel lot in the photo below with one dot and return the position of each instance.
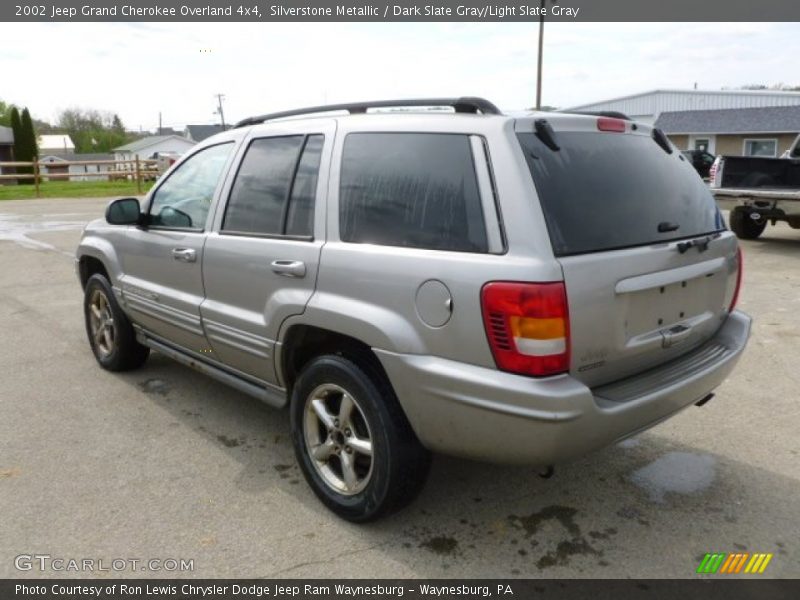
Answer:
(165, 463)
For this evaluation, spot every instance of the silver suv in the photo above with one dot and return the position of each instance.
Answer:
(510, 289)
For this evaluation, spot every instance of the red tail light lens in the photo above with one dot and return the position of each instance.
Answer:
(740, 268)
(527, 325)
(611, 124)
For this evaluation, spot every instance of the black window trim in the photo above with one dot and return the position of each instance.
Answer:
(287, 199)
(154, 191)
(496, 194)
(494, 199)
(466, 134)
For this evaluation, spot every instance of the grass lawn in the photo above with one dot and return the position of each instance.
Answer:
(73, 189)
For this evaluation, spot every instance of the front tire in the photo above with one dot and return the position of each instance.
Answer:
(110, 333)
(744, 226)
(355, 446)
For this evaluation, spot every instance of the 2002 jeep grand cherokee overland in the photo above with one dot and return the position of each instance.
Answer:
(517, 290)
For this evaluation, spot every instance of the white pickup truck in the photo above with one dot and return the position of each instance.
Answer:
(767, 190)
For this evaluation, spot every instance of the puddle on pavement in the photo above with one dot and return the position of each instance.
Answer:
(155, 386)
(442, 545)
(18, 228)
(675, 473)
(575, 544)
(629, 443)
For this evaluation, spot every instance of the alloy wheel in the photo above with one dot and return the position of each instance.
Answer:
(338, 439)
(101, 324)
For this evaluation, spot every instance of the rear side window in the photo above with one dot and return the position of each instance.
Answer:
(275, 188)
(416, 190)
(603, 191)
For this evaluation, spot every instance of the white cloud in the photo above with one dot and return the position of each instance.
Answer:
(137, 70)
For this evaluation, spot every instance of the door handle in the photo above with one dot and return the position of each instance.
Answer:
(184, 254)
(289, 268)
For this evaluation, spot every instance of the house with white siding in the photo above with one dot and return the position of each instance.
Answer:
(55, 145)
(153, 145)
(55, 165)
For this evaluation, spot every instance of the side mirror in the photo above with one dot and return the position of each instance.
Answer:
(125, 211)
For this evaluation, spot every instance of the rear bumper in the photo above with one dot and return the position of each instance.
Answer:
(482, 413)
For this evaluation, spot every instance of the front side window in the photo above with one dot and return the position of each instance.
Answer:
(760, 148)
(275, 188)
(183, 200)
(416, 190)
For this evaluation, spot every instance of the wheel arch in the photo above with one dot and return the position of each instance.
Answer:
(88, 266)
(301, 343)
(96, 255)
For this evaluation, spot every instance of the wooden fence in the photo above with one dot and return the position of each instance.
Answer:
(136, 170)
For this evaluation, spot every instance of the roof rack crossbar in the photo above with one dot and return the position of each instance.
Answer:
(465, 104)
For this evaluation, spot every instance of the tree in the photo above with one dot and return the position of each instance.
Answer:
(92, 130)
(21, 143)
(16, 126)
(117, 126)
(5, 114)
(43, 127)
(24, 140)
(30, 146)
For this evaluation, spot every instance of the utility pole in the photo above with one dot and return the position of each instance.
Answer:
(159, 122)
(220, 98)
(539, 57)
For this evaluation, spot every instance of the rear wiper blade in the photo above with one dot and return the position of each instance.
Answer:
(700, 243)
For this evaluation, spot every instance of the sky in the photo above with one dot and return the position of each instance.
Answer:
(140, 69)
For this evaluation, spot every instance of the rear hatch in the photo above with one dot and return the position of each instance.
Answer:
(649, 269)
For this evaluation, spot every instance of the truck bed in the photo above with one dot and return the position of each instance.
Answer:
(756, 194)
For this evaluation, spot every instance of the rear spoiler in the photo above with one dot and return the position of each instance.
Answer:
(613, 114)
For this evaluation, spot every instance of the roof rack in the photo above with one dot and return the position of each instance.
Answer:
(465, 104)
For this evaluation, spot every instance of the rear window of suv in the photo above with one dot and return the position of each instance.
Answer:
(417, 190)
(604, 191)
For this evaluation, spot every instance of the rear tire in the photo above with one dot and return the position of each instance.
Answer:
(744, 226)
(354, 444)
(111, 335)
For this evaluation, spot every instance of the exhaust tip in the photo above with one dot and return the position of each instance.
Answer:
(704, 400)
(547, 473)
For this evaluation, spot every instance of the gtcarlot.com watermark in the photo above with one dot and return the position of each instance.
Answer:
(58, 564)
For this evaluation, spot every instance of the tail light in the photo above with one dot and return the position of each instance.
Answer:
(527, 325)
(739, 269)
(715, 173)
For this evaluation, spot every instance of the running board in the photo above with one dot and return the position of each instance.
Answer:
(275, 398)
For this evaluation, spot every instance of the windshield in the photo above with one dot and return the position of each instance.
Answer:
(603, 191)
